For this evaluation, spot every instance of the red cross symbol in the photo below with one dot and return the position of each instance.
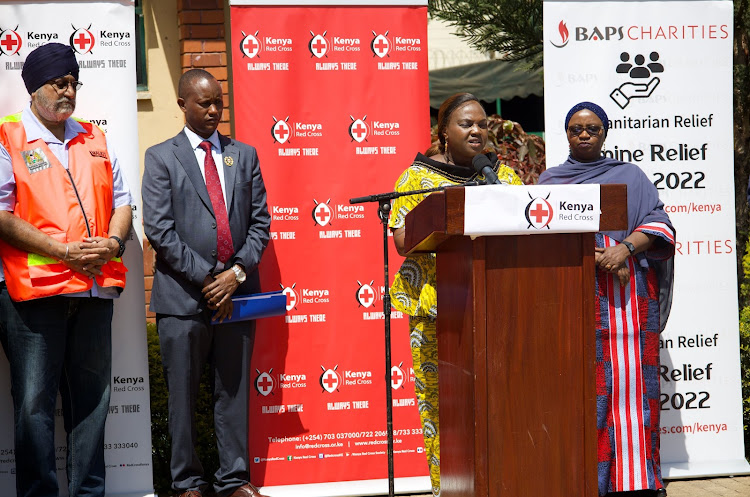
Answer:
(250, 48)
(319, 46)
(281, 131)
(323, 214)
(381, 46)
(359, 131)
(9, 42)
(396, 377)
(539, 212)
(330, 380)
(367, 296)
(81, 41)
(291, 299)
(265, 383)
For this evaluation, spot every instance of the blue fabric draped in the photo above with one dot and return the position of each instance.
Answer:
(644, 205)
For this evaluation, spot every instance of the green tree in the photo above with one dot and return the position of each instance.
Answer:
(512, 28)
(742, 135)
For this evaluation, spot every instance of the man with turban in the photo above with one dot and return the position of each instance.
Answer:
(64, 216)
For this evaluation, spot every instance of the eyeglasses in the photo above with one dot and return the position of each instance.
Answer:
(591, 129)
(61, 85)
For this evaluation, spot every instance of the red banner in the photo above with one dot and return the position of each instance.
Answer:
(336, 101)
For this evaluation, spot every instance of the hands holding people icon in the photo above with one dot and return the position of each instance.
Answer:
(629, 90)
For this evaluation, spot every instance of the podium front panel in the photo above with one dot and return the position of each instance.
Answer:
(462, 372)
(516, 336)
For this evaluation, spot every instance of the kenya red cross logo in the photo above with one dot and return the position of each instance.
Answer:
(291, 296)
(318, 45)
(539, 212)
(10, 41)
(264, 382)
(330, 379)
(365, 294)
(397, 377)
(250, 45)
(281, 131)
(563, 30)
(358, 129)
(322, 213)
(380, 45)
(82, 40)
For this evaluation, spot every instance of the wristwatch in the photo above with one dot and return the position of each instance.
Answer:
(239, 274)
(120, 243)
(630, 247)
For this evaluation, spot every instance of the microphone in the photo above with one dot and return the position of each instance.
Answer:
(482, 165)
(476, 182)
(379, 197)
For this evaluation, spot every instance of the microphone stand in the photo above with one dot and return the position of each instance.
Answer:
(384, 209)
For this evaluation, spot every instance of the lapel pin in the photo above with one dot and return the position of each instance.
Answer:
(228, 161)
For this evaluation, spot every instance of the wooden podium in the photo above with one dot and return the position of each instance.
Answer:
(516, 349)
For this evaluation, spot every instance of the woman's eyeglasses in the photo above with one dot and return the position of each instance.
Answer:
(591, 129)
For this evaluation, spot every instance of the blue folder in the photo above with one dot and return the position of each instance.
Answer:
(256, 306)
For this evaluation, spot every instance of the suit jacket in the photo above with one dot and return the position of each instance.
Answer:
(179, 221)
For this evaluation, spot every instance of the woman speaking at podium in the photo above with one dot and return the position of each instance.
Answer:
(462, 135)
(633, 268)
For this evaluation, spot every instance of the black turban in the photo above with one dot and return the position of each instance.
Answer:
(47, 62)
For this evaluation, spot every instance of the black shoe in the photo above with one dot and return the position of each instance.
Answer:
(662, 492)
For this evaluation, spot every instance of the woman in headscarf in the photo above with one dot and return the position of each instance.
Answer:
(462, 134)
(633, 270)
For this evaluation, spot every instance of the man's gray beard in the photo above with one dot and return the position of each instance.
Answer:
(61, 112)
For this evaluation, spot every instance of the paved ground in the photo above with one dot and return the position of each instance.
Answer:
(715, 487)
(734, 487)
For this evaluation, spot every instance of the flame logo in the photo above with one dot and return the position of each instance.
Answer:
(563, 32)
(564, 35)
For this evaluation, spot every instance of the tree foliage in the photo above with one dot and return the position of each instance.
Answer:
(513, 28)
(741, 173)
(742, 131)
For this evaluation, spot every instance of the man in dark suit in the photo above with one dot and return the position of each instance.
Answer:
(209, 227)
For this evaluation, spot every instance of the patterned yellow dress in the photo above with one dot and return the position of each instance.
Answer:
(413, 292)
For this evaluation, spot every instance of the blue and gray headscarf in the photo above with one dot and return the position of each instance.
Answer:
(593, 108)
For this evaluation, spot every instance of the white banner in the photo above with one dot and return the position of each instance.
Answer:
(531, 210)
(103, 37)
(663, 72)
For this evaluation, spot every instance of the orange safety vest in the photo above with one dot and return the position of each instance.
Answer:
(66, 205)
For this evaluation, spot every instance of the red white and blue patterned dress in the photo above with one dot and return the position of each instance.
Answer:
(628, 322)
(627, 366)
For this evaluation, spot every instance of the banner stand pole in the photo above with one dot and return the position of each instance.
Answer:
(384, 209)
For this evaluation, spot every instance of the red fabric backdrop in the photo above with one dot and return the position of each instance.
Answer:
(336, 101)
